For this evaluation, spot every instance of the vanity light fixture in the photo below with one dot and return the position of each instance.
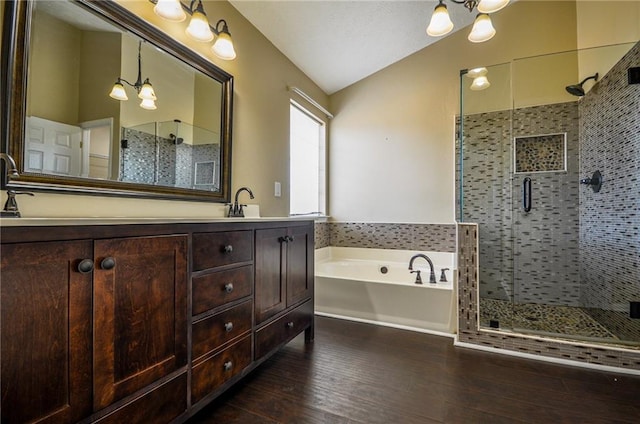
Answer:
(144, 89)
(482, 29)
(480, 81)
(199, 28)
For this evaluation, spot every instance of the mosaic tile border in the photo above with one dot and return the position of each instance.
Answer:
(434, 237)
(468, 330)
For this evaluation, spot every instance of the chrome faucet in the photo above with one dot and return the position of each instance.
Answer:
(432, 276)
(236, 210)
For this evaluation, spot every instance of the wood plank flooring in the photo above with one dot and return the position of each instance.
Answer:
(360, 373)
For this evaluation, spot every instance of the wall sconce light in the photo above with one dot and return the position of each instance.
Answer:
(482, 29)
(199, 28)
(144, 89)
(480, 81)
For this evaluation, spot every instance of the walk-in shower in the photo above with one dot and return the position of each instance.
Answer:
(557, 257)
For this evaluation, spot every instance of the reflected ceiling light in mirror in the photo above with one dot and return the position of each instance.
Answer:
(144, 89)
(199, 28)
(480, 80)
(440, 23)
(170, 10)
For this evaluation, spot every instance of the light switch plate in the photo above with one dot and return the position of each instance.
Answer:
(277, 189)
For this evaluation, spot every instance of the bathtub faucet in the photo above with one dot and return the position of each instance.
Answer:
(432, 276)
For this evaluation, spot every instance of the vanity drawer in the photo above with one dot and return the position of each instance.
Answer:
(216, 330)
(223, 248)
(216, 289)
(215, 371)
(283, 329)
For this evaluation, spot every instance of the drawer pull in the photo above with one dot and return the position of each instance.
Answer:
(290, 324)
(228, 248)
(228, 366)
(85, 266)
(108, 263)
(228, 326)
(228, 287)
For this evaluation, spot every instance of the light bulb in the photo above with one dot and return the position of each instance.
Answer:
(482, 29)
(117, 92)
(146, 91)
(491, 6)
(440, 23)
(198, 28)
(170, 10)
(148, 104)
(480, 83)
(223, 47)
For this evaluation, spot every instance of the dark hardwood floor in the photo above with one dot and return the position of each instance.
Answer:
(359, 373)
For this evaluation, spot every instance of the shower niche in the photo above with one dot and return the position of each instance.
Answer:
(540, 153)
(170, 153)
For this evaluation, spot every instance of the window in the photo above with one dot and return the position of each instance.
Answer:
(307, 174)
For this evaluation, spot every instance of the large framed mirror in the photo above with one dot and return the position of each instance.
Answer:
(68, 131)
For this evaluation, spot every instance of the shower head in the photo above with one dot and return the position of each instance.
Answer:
(577, 89)
(176, 140)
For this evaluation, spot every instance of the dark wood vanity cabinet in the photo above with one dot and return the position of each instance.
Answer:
(45, 306)
(284, 280)
(139, 314)
(144, 323)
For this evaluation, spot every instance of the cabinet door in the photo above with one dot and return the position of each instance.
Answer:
(270, 294)
(299, 264)
(140, 313)
(45, 305)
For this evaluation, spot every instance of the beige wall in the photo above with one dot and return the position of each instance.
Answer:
(260, 125)
(58, 61)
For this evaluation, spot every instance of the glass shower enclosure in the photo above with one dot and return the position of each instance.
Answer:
(552, 178)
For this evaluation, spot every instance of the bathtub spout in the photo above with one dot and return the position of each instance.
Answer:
(432, 275)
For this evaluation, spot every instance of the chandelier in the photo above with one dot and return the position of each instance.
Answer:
(482, 29)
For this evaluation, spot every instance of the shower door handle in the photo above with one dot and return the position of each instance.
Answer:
(526, 194)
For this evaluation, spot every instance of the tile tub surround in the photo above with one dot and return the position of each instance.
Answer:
(470, 335)
(423, 237)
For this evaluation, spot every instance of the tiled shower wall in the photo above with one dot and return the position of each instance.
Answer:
(434, 237)
(540, 245)
(468, 319)
(610, 219)
(173, 165)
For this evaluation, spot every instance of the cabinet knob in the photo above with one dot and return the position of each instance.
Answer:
(108, 263)
(228, 248)
(228, 326)
(228, 287)
(228, 366)
(290, 324)
(85, 266)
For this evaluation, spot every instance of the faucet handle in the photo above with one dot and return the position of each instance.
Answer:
(418, 278)
(11, 205)
(443, 275)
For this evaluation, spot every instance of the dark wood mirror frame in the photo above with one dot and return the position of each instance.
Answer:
(15, 51)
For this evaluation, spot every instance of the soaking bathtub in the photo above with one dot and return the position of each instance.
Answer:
(375, 286)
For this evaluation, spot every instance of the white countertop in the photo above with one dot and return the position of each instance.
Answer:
(30, 222)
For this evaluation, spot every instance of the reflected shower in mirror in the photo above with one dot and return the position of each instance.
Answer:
(69, 128)
(75, 128)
